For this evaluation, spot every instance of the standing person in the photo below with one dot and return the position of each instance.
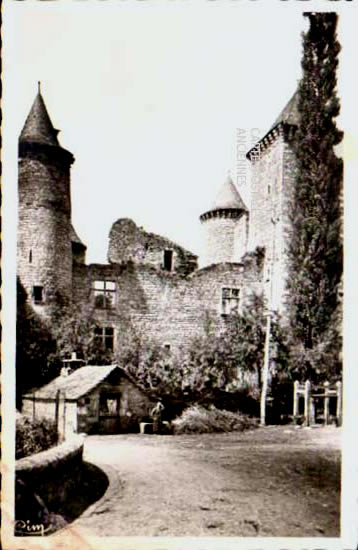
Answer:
(157, 417)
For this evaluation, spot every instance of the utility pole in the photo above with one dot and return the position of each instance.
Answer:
(265, 370)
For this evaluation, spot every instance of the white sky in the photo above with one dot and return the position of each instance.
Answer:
(148, 98)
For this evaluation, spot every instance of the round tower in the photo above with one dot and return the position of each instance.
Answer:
(222, 226)
(44, 213)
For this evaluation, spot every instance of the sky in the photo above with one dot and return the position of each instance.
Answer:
(149, 98)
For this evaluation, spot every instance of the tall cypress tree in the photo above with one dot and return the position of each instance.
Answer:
(315, 252)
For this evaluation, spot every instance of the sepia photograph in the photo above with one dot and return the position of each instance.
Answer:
(179, 348)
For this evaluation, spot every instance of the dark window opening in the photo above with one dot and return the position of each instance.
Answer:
(230, 299)
(30, 257)
(268, 189)
(109, 404)
(104, 338)
(37, 293)
(168, 260)
(104, 294)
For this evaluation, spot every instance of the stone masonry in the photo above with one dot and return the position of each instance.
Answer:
(151, 284)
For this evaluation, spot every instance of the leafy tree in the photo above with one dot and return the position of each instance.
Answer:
(35, 348)
(315, 239)
(246, 337)
(76, 332)
(209, 364)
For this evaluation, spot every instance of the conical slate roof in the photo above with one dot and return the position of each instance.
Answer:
(228, 197)
(38, 127)
(75, 238)
(290, 114)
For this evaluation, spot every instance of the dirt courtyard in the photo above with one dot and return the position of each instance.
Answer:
(273, 481)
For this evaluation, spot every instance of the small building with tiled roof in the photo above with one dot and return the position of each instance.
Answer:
(92, 399)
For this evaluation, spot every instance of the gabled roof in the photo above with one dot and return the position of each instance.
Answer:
(77, 384)
(290, 114)
(38, 127)
(228, 197)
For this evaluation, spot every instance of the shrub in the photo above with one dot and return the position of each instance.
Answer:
(197, 419)
(34, 436)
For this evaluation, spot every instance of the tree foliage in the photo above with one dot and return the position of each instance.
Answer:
(231, 360)
(35, 346)
(40, 349)
(76, 332)
(315, 244)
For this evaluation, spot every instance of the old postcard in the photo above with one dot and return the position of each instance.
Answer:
(180, 304)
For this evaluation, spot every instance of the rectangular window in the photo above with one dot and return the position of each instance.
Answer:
(230, 299)
(38, 294)
(168, 260)
(104, 294)
(104, 338)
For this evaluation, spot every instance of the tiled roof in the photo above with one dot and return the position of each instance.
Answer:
(38, 127)
(77, 384)
(290, 114)
(228, 197)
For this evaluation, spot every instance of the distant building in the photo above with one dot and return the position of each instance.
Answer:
(150, 282)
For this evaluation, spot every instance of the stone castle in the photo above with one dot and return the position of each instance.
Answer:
(151, 283)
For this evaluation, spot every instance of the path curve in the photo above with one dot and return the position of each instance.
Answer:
(261, 483)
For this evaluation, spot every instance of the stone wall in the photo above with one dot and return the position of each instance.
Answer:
(46, 408)
(220, 231)
(44, 214)
(164, 307)
(241, 236)
(273, 177)
(134, 404)
(127, 242)
(51, 474)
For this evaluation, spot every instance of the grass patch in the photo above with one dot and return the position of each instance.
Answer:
(197, 419)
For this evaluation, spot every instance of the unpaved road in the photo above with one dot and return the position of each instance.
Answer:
(274, 481)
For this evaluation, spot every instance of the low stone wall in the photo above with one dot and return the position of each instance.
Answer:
(52, 475)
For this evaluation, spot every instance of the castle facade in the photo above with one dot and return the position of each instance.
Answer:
(151, 283)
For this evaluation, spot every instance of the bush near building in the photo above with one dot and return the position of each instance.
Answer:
(197, 419)
(34, 436)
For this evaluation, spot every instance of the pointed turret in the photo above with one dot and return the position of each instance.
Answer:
(224, 226)
(46, 242)
(228, 199)
(38, 127)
